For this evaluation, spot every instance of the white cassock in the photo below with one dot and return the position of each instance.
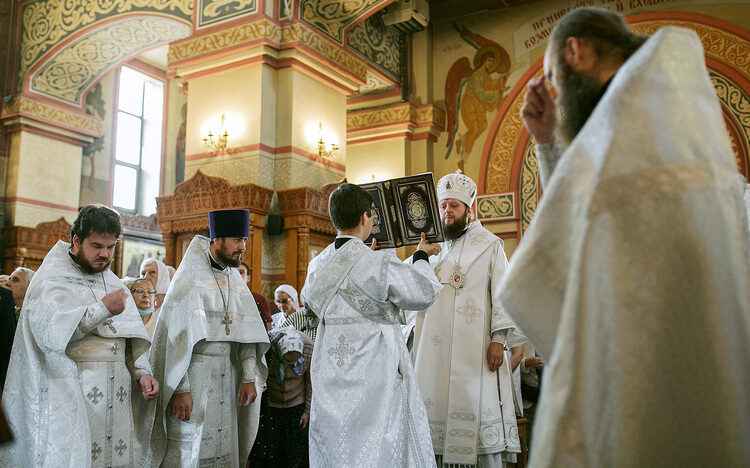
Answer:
(72, 372)
(366, 407)
(209, 340)
(470, 409)
(633, 279)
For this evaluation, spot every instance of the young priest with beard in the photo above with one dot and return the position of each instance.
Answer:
(461, 359)
(79, 351)
(208, 350)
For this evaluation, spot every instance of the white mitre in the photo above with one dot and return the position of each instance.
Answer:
(458, 186)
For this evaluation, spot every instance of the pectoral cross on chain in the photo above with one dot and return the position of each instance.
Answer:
(226, 322)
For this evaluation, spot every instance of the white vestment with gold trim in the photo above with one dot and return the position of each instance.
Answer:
(470, 409)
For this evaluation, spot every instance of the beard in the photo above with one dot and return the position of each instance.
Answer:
(87, 267)
(456, 228)
(226, 259)
(580, 95)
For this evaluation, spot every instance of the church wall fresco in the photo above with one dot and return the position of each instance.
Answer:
(95, 166)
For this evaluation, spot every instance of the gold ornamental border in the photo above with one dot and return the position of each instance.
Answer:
(427, 115)
(264, 29)
(25, 107)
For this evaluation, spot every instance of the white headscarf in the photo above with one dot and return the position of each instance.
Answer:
(162, 282)
(285, 288)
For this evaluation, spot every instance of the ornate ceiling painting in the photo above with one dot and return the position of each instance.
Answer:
(509, 160)
(47, 23)
(332, 17)
(211, 12)
(377, 43)
(70, 71)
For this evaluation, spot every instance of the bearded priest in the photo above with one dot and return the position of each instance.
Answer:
(79, 346)
(462, 342)
(208, 351)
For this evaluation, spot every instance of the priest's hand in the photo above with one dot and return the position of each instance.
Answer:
(539, 113)
(149, 387)
(182, 405)
(304, 420)
(494, 356)
(430, 248)
(115, 301)
(247, 393)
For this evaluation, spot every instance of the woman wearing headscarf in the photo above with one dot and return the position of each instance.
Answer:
(157, 272)
(285, 407)
(143, 292)
(287, 300)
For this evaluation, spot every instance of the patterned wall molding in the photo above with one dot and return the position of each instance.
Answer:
(496, 207)
(718, 43)
(332, 17)
(529, 189)
(265, 31)
(47, 113)
(403, 119)
(47, 23)
(68, 73)
(378, 44)
(403, 112)
(211, 12)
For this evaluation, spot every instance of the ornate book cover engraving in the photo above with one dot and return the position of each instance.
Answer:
(402, 209)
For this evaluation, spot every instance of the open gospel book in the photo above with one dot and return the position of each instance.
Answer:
(403, 209)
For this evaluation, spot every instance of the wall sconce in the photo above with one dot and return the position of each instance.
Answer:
(322, 152)
(219, 141)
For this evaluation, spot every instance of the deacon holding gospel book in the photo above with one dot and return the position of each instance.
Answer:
(366, 409)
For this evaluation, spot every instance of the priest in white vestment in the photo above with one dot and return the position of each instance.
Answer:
(207, 351)
(78, 358)
(460, 355)
(633, 279)
(366, 407)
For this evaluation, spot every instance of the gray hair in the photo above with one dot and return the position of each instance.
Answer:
(29, 273)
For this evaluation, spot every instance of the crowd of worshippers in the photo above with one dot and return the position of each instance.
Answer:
(379, 362)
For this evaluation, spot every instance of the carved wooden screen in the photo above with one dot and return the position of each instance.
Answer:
(183, 215)
(308, 226)
(27, 247)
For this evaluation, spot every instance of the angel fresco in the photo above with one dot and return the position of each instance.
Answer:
(473, 91)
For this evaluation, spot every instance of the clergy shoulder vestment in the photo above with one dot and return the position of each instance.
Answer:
(209, 337)
(72, 370)
(633, 277)
(366, 407)
(470, 409)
